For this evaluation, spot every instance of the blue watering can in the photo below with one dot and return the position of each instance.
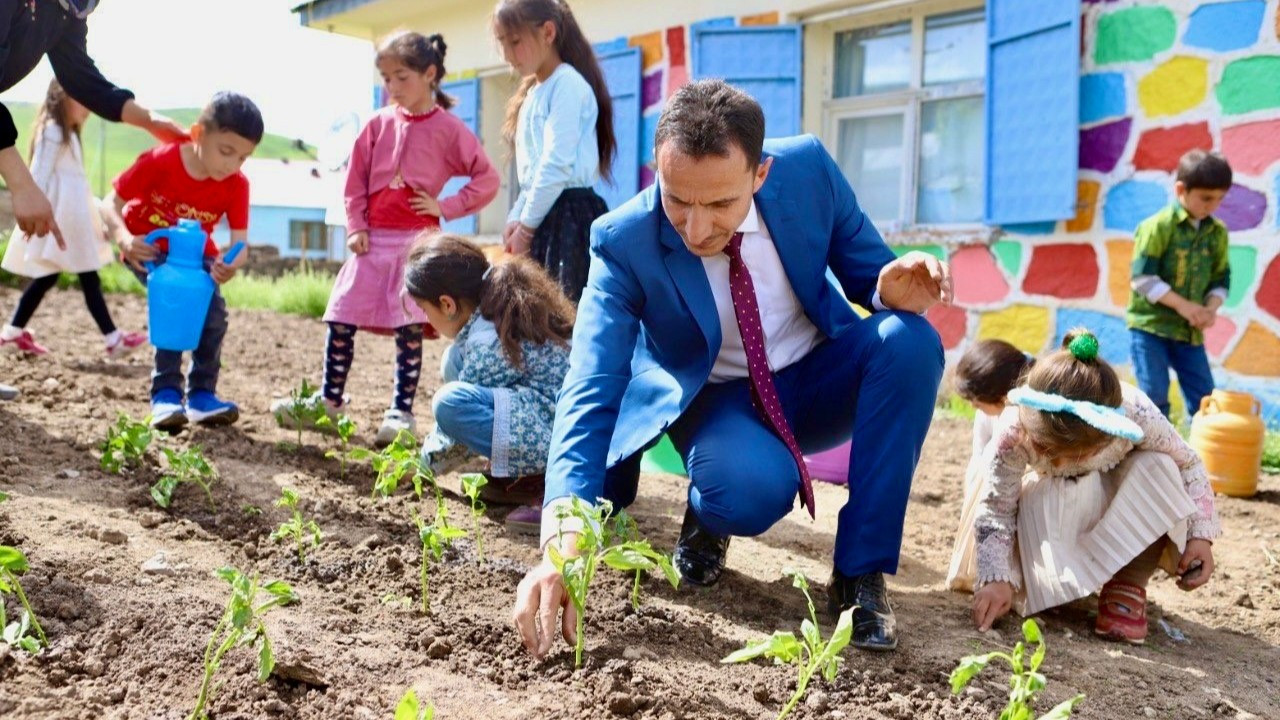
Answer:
(179, 291)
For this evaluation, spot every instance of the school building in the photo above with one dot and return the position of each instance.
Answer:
(1023, 140)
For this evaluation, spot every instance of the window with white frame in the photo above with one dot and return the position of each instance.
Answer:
(905, 113)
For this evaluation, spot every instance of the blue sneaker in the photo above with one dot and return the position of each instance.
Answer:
(205, 408)
(167, 412)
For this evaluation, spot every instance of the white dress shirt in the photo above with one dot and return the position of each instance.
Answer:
(788, 333)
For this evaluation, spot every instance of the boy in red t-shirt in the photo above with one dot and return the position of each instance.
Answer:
(198, 179)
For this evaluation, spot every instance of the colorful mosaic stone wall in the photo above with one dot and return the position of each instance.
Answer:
(1157, 79)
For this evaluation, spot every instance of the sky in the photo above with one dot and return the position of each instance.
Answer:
(178, 53)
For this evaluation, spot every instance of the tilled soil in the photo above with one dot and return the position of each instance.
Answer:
(128, 643)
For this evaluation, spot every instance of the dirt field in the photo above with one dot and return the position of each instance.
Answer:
(128, 644)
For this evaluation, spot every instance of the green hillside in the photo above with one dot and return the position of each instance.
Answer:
(124, 143)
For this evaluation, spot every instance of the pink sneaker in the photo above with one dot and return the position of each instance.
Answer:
(127, 343)
(24, 343)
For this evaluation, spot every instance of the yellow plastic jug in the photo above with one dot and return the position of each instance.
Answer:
(1228, 434)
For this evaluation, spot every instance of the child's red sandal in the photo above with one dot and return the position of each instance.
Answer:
(1122, 612)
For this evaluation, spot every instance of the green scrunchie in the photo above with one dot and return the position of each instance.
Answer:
(1084, 347)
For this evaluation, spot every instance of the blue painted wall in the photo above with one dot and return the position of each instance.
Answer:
(270, 226)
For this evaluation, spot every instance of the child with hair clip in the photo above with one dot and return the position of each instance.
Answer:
(57, 164)
(401, 161)
(510, 326)
(984, 376)
(560, 124)
(1113, 493)
(197, 179)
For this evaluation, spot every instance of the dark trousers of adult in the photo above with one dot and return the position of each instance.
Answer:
(206, 359)
(90, 285)
(876, 383)
(1154, 355)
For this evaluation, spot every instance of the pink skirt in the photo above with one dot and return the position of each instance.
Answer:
(369, 290)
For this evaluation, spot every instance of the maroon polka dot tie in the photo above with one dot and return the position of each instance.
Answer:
(763, 393)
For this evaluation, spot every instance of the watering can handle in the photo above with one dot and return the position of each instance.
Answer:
(150, 239)
(233, 253)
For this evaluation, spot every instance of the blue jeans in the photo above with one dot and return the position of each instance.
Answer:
(1154, 355)
(206, 359)
(463, 411)
(876, 383)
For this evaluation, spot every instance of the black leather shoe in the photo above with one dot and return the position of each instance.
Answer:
(874, 627)
(699, 554)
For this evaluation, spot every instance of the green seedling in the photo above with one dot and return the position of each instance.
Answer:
(435, 537)
(408, 708)
(295, 527)
(601, 541)
(12, 564)
(471, 485)
(346, 429)
(393, 600)
(4, 496)
(1027, 680)
(397, 460)
(126, 444)
(305, 407)
(241, 625)
(810, 654)
(250, 510)
(188, 466)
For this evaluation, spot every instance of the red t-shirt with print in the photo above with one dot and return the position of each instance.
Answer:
(158, 191)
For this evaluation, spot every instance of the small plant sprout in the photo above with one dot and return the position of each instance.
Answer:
(346, 429)
(188, 466)
(241, 624)
(251, 510)
(599, 541)
(304, 406)
(1026, 682)
(126, 444)
(810, 654)
(408, 708)
(12, 564)
(302, 532)
(471, 485)
(397, 460)
(435, 537)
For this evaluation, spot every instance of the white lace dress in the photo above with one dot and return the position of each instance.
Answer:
(1078, 521)
(58, 169)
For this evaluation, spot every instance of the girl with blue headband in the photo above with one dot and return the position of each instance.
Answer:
(1097, 489)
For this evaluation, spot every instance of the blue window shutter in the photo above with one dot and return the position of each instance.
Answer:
(466, 94)
(621, 68)
(765, 61)
(1033, 99)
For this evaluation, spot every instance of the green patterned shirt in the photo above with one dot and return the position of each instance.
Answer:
(1192, 260)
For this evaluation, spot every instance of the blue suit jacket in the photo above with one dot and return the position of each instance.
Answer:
(647, 331)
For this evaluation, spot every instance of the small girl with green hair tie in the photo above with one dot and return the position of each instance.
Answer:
(1097, 488)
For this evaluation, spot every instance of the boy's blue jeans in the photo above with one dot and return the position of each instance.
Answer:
(1154, 355)
(206, 359)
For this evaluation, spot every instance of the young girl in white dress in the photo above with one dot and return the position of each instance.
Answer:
(1113, 493)
(57, 164)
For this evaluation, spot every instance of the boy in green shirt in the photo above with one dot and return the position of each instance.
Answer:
(1180, 279)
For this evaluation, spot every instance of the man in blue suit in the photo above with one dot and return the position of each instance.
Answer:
(709, 315)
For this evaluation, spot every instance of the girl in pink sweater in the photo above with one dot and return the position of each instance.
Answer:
(399, 165)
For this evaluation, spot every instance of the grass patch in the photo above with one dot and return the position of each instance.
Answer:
(1271, 453)
(956, 407)
(116, 277)
(299, 292)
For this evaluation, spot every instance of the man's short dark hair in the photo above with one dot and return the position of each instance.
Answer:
(1204, 170)
(703, 117)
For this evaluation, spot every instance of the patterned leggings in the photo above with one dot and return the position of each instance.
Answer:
(340, 351)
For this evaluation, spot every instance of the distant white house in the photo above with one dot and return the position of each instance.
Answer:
(288, 201)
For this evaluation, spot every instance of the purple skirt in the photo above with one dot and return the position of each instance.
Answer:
(369, 290)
